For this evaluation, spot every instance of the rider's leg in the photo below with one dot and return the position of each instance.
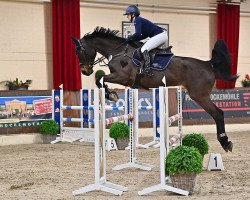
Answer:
(146, 59)
(152, 43)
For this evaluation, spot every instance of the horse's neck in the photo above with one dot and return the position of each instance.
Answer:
(105, 47)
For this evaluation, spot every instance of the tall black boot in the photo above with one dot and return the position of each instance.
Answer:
(146, 58)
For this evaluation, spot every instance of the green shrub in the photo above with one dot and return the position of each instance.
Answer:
(119, 130)
(183, 160)
(99, 73)
(198, 141)
(49, 127)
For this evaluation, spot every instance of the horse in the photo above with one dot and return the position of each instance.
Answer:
(196, 76)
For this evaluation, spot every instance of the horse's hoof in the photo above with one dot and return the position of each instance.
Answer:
(228, 147)
(113, 97)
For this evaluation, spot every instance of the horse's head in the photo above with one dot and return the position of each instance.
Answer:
(86, 55)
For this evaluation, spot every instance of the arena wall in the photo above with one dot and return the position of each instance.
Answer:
(26, 33)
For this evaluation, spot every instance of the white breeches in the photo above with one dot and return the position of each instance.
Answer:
(155, 41)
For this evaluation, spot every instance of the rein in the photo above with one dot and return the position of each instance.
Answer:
(101, 59)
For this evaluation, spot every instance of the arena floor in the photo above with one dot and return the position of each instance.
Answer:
(40, 171)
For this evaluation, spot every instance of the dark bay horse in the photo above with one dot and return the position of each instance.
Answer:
(197, 76)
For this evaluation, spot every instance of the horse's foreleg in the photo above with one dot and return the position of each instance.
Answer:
(97, 82)
(118, 77)
(108, 93)
(218, 116)
(111, 78)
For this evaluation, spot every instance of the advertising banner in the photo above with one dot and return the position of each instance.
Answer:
(24, 111)
(234, 103)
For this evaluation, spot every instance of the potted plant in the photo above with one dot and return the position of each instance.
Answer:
(49, 129)
(198, 141)
(120, 132)
(182, 165)
(99, 73)
(17, 84)
(246, 82)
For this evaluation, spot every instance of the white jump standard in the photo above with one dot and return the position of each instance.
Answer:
(100, 152)
(165, 122)
(133, 109)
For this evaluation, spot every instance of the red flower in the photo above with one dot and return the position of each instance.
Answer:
(247, 77)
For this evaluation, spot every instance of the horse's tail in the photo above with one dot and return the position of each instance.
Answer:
(221, 62)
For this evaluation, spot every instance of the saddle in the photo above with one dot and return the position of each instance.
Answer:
(155, 51)
(159, 58)
(161, 51)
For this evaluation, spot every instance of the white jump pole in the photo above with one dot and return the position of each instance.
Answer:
(100, 152)
(164, 147)
(133, 163)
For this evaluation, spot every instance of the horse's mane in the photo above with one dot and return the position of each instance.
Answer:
(105, 33)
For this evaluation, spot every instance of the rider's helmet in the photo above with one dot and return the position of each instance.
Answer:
(132, 10)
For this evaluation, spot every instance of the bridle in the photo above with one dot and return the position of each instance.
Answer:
(79, 49)
(91, 64)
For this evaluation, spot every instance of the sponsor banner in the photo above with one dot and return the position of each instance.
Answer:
(24, 111)
(144, 99)
(234, 103)
(43, 106)
(21, 124)
(29, 110)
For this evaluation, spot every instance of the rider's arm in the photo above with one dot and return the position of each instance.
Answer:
(137, 36)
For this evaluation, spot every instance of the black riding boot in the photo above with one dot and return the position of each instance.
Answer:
(146, 58)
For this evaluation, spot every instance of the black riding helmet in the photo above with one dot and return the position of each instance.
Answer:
(132, 10)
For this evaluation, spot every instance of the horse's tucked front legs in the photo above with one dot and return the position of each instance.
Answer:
(111, 78)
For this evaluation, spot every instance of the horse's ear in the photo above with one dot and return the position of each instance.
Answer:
(76, 41)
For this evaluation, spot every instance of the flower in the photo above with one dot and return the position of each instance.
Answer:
(246, 82)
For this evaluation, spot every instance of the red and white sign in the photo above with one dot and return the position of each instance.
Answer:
(43, 106)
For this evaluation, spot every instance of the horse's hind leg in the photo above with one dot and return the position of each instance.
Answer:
(218, 116)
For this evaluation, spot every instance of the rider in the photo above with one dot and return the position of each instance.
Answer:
(143, 29)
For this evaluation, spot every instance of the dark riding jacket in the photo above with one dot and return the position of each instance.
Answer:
(143, 29)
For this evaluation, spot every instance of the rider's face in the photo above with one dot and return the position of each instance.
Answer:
(129, 16)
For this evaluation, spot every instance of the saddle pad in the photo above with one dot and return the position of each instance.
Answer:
(160, 63)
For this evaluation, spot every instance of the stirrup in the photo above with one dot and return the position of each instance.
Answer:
(140, 70)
